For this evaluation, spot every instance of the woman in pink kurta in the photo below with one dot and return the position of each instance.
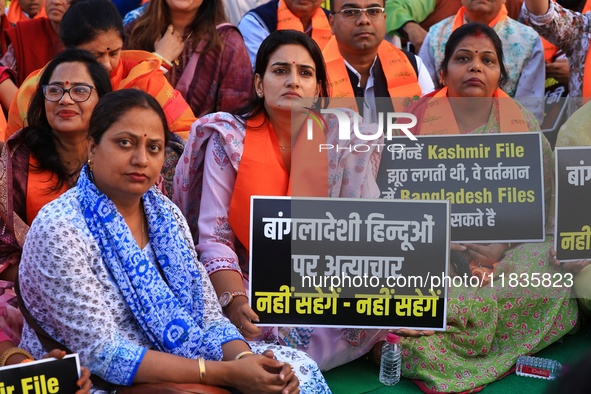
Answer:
(216, 158)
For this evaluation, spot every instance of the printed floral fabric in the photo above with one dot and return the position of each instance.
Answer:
(311, 379)
(569, 31)
(489, 327)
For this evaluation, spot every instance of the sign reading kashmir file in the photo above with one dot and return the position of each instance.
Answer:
(356, 263)
(48, 376)
(494, 182)
(573, 193)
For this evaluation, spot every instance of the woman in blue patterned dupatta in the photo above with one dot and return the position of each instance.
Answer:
(109, 270)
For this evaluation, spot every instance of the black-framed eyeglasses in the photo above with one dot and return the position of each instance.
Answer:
(78, 93)
(354, 13)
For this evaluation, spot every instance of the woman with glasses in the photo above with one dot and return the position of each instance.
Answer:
(43, 160)
(96, 26)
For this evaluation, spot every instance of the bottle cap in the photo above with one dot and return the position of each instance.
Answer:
(392, 338)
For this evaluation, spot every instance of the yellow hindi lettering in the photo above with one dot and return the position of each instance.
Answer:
(276, 301)
(417, 305)
(374, 304)
(317, 303)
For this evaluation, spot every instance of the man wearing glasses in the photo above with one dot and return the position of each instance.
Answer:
(362, 64)
(302, 15)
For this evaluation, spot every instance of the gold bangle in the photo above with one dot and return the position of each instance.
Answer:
(11, 352)
(242, 354)
(202, 371)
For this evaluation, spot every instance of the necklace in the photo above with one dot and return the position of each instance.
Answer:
(284, 147)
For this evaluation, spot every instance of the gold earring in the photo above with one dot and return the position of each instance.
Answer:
(89, 162)
(260, 94)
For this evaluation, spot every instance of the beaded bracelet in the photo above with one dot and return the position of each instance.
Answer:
(11, 352)
(202, 370)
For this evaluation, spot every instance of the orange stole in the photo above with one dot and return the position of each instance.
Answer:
(403, 86)
(38, 185)
(136, 69)
(321, 31)
(438, 118)
(263, 173)
(16, 13)
(459, 18)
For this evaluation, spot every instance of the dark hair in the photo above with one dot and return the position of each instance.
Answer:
(86, 19)
(115, 105)
(152, 24)
(272, 43)
(38, 136)
(474, 30)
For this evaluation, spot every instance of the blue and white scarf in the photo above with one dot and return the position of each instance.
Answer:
(169, 309)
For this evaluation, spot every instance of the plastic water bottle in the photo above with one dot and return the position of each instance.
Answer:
(391, 360)
(537, 367)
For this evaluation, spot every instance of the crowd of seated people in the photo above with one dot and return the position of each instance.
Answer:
(205, 103)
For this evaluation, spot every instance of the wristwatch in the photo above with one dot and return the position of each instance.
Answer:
(227, 298)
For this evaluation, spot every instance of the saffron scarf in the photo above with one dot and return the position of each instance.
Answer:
(169, 308)
(321, 31)
(435, 115)
(16, 14)
(461, 14)
(403, 86)
(262, 172)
